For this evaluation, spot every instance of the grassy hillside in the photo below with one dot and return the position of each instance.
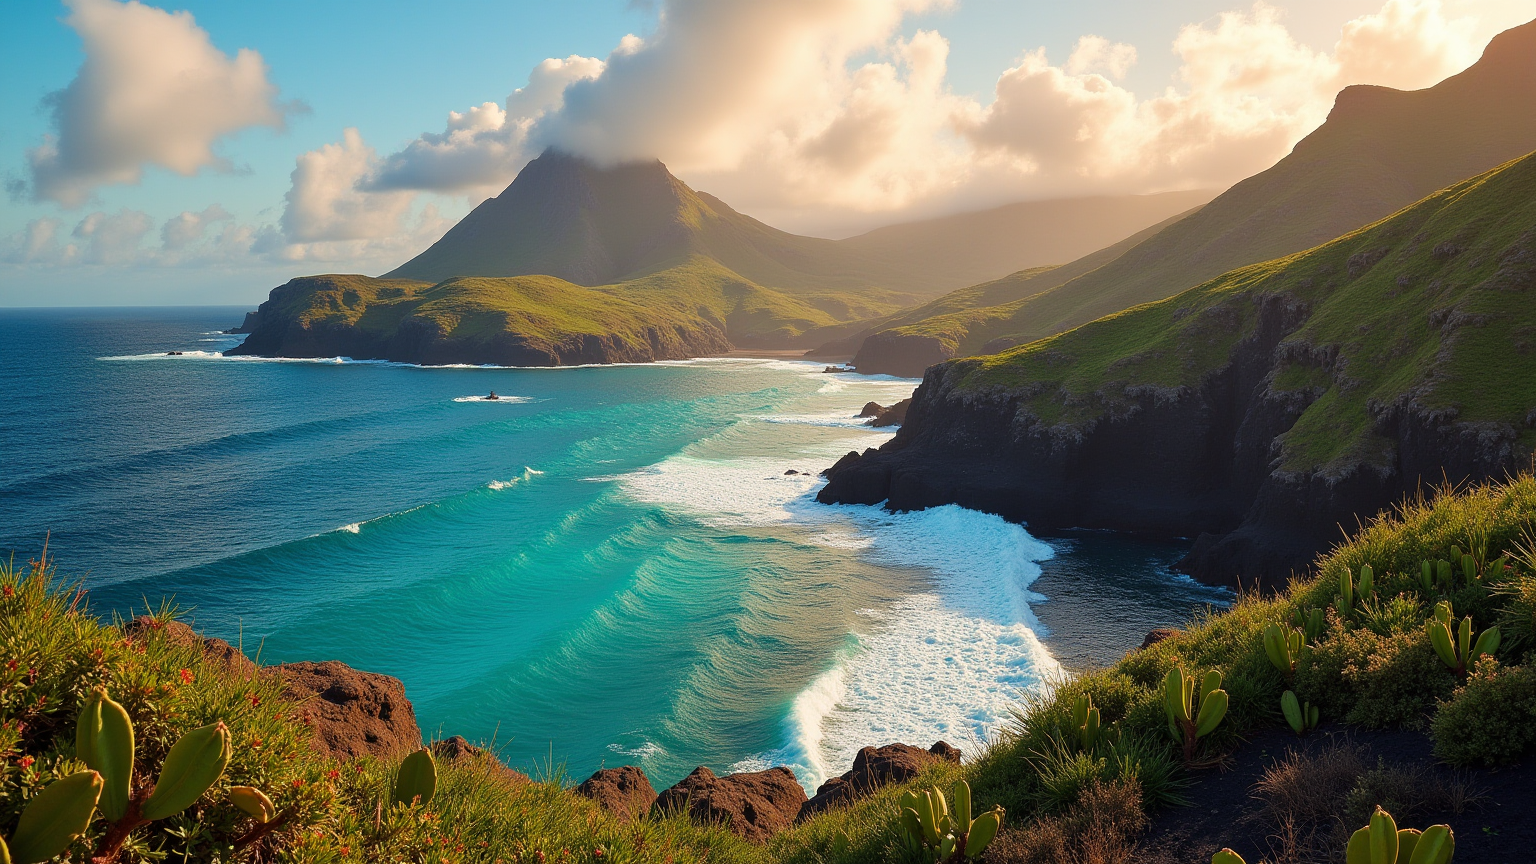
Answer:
(566, 217)
(963, 322)
(1368, 663)
(968, 248)
(1428, 311)
(1379, 151)
(696, 300)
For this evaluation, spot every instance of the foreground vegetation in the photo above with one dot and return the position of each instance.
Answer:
(1081, 767)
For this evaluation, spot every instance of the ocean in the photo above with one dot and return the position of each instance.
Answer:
(607, 565)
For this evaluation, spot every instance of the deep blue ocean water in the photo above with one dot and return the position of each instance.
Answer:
(608, 565)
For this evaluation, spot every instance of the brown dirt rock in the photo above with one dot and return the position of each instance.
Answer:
(178, 633)
(873, 768)
(624, 791)
(753, 805)
(457, 749)
(1157, 635)
(353, 712)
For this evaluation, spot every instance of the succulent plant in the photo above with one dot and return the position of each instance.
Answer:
(1227, 856)
(1427, 575)
(416, 780)
(1382, 842)
(929, 826)
(1193, 713)
(1301, 717)
(1085, 722)
(254, 802)
(1456, 647)
(1283, 647)
(53, 819)
(1310, 623)
(104, 741)
(1346, 590)
(1367, 580)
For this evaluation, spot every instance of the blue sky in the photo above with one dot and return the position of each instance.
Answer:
(393, 70)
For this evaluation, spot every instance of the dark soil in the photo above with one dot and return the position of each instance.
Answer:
(1497, 827)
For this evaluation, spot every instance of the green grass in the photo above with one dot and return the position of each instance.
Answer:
(1430, 309)
(694, 294)
(52, 651)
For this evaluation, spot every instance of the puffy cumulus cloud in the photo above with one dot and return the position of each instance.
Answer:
(803, 107)
(113, 238)
(325, 203)
(1097, 54)
(483, 147)
(153, 91)
(186, 228)
(1248, 90)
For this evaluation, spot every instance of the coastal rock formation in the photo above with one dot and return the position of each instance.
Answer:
(624, 791)
(353, 712)
(178, 633)
(1262, 413)
(882, 415)
(754, 805)
(873, 768)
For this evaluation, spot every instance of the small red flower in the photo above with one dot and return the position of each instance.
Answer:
(255, 743)
(255, 700)
(25, 762)
(186, 676)
(11, 665)
(346, 850)
(298, 783)
(332, 774)
(9, 591)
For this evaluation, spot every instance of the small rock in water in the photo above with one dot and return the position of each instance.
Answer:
(790, 471)
(872, 409)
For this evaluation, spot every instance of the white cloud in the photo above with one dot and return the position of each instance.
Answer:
(186, 228)
(482, 148)
(324, 202)
(1097, 54)
(113, 238)
(153, 91)
(803, 107)
(1248, 91)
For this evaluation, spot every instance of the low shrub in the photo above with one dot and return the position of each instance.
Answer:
(1491, 720)
(1100, 828)
(1373, 680)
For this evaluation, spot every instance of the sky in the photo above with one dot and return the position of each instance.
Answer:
(204, 152)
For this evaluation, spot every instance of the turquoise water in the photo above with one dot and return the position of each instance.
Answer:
(609, 565)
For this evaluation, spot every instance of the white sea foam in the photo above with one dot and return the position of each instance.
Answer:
(946, 663)
(499, 400)
(498, 485)
(354, 528)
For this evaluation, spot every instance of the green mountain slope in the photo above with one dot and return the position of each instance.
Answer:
(968, 320)
(1260, 411)
(1429, 311)
(694, 308)
(1379, 150)
(567, 217)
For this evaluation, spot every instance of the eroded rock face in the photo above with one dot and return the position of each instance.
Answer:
(624, 791)
(753, 805)
(178, 633)
(353, 712)
(1156, 635)
(873, 768)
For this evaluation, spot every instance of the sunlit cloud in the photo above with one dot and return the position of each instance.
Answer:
(153, 91)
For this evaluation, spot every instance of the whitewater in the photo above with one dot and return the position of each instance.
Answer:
(605, 565)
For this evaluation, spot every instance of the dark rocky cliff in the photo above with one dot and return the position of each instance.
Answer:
(1264, 414)
(1184, 462)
